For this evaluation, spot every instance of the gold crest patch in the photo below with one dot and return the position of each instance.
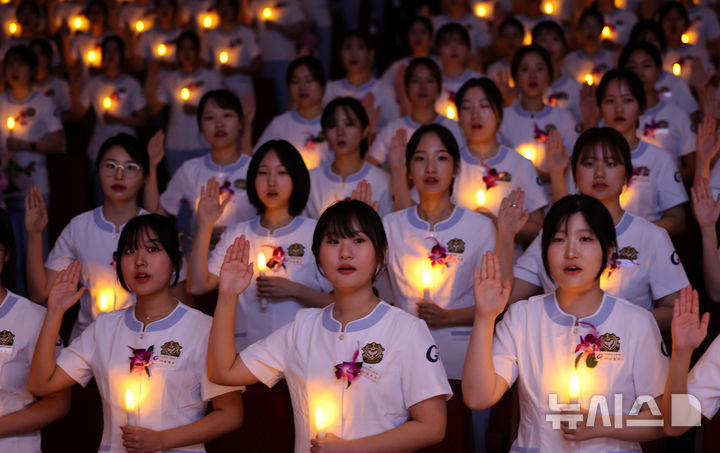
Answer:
(456, 246)
(171, 348)
(296, 250)
(609, 342)
(7, 338)
(372, 353)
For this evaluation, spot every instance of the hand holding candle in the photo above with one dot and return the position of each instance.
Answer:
(107, 103)
(130, 407)
(223, 57)
(262, 266)
(185, 94)
(426, 285)
(574, 389)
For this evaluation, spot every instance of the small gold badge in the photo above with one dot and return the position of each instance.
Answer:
(372, 353)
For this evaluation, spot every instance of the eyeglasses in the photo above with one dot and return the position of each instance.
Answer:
(131, 170)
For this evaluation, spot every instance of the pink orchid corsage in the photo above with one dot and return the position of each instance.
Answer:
(141, 359)
(540, 134)
(588, 346)
(650, 128)
(438, 255)
(349, 370)
(277, 260)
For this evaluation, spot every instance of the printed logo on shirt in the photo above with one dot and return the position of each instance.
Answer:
(240, 184)
(169, 353)
(295, 252)
(677, 177)
(432, 354)
(372, 353)
(675, 258)
(456, 246)
(7, 340)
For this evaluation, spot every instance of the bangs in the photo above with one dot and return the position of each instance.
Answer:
(606, 148)
(133, 238)
(344, 225)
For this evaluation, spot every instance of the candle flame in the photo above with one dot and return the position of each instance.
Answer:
(426, 279)
(267, 13)
(574, 387)
(480, 197)
(481, 10)
(207, 21)
(77, 23)
(685, 38)
(13, 28)
(107, 102)
(605, 32)
(677, 69)
(103, 302)
(529, 152)
(451, 112)
(185, 94)
(11, 123)
(130, 404)
(223, 57)
(589, 79)
(527, 39)
(548, 8)
(261, 262)
(161, 49)
(92, 56)
(139, 26)
(320, 419)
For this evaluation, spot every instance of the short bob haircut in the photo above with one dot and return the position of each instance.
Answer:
(592, 13)
(643, 46)
(641, 29)
(346, 218)
(422, 20)
(317, 71)
(549, 26)
(492, 93)
(155, 227)
(191, 36)
(630, 79)
(25, 55)
(510, 21)
(120, 43)
(225, 99)
(7, 239)
(666, 7)
(349, 105)
(295, 166)
(445, 136)
(134, 147)
(527, 50)
(597, 217)
(44, 46)
(613, 145)
(452, 29)
(423, 62)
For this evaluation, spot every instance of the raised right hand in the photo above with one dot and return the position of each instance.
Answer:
(156, 148)
(209, 207)
(688, 328)
(556, 154)
(705, 208)
(36, 216)
(511, 216)
(396, 154)
(491, 295)
(64, 292)
(236, 273)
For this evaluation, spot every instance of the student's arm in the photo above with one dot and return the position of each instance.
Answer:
(36, 218)
(209, 210)
(227, 415)
(706, 212)
(481, 386)
(45, 376)
(557, 161)
(283, 288)
(425, 427)
(663, 311)
(522, 290)
(53, 143)
(151, 192)
(37, 415)
(673, 220)
(511, 219)
(589, 109)
(252, 69)
(688, 331)
(398, 166)
(225, 366)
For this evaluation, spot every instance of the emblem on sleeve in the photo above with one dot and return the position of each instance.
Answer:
(675, 258)
(372, 353)
(432, 354)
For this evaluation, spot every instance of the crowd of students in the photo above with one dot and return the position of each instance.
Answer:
(446, 226)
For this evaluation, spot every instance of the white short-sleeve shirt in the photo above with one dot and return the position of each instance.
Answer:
(20, 324)
(673, 88)
(684, 56)
(148, 46)
(194, 173)
(183, 132)
(715, 180)
(704, 22)
(288, 251)
(35, 118)
(400, 368)
(463, 238)
(380, 148)
(305, 135)
(668, 126)
(327, 187)
(647, 267)
(82, 43)
(564, 93)
(477, 28)
(129, 13)
(91, 240)
(656, 184)
(177, 391)
(578, 64)
(57, 90)
(535, 344)
(274, 45)
(445, 104)
(620, 22)
(126, 97)
(240, 47)
(702, 381)
(383, 93)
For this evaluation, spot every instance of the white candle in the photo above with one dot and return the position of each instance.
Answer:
(223, 57)
(426, 285)
(574, 389)
(320, 424)
(130, 407)
(261, 268)
(11, 125)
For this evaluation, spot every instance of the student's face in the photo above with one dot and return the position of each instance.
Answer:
(511, 39)
(476, 117)
(619, 108)
(17, 73)
(118, 184)
(590, 30)
(649, 37)
(111, 55)
(225, 9)
(575, 255)
(452, 51)
(273, 183)
(423, 89)
(600, 176)
(27, 19)
(164, 10)
(348, 263)
(431, 167)
(147, 268)
(532, 75)
(419, 38)
(305, 91)
(96, 15)
(673, 25)
(187, 53)
(643, 65)
(221, 127)
(553, 44)
(346, 134)
(355, 56)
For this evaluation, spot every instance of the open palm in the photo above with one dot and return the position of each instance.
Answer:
(491, 295)
(235, 272)
(36, 216)
(688, 327)
(64, 292)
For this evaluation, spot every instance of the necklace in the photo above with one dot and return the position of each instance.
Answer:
(158, 316)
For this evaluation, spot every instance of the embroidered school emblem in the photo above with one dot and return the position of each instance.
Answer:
(171, 348)
(240, 184)
(609, 342)
(372, 353)
(456, 246)
(7, 338)
(628, 253)
(296, 250)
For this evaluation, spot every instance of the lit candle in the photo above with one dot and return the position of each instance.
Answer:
(685, 38)
(480, 197)
(320, 422)
(107, 103)
(589, 79)
(606, 33)
(527, 39)
(103, 303)
(161, 50)
(11, 125)
(139, 26)
(92, 57)
(426, 285)
(77, 23)
(482, 10)
(223, 57)
(130, 407)
(574, 389)
(529, 152)
(677, 69)
(548, 8)
(185, 94)
(13, 28)
(267, 13)
(262, 266)
(207, 21)
(451, 111)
